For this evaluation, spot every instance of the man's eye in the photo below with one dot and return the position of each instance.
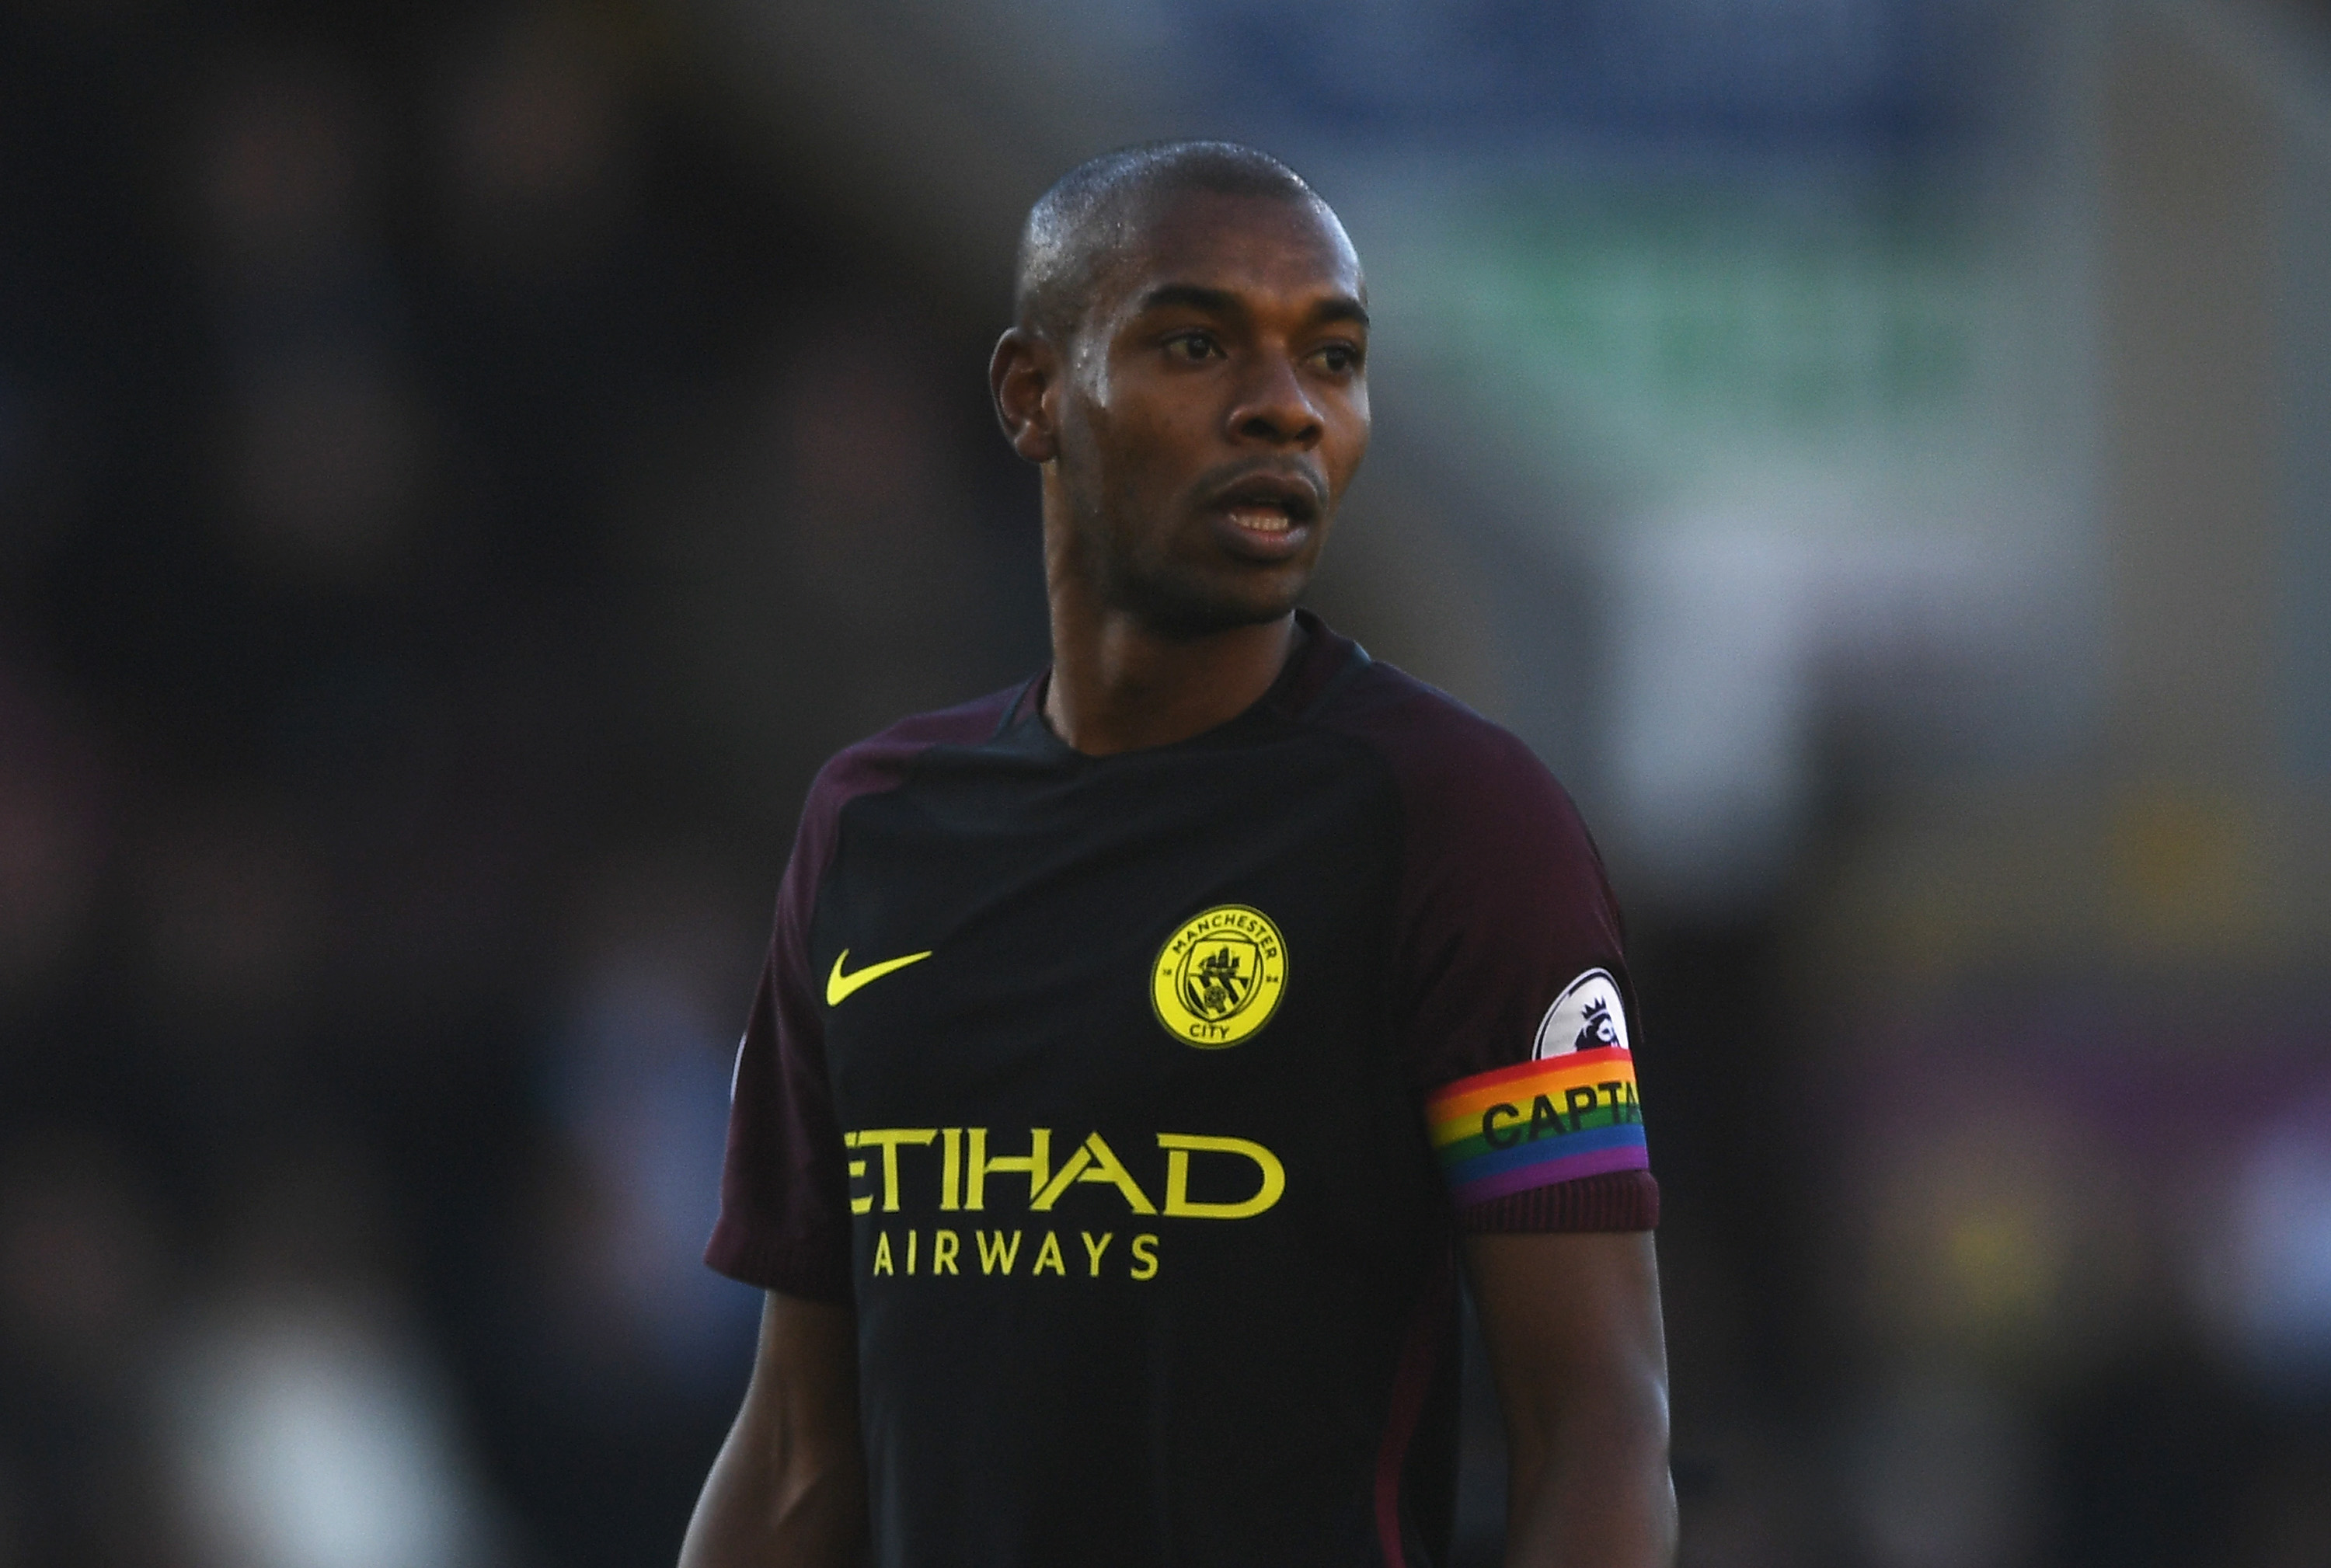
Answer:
(1192, 345)
(1339, 358)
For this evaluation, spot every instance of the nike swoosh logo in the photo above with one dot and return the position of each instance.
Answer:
(838, 986)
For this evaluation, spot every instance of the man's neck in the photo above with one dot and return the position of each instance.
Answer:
(1118, 686)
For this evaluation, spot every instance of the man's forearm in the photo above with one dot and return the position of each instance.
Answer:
(1589, 1502)
(743, 1520)
(788, 1490)
(1572, 1326)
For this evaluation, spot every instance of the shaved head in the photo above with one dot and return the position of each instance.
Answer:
(1092, 213)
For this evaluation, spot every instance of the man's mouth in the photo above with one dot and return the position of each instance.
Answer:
(1261, 519)
(1269, 503)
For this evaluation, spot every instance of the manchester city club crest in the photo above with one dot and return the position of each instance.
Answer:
(1218, 978)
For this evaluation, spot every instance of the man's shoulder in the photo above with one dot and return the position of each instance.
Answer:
(1490, 839)
(1444, 754)
(882, 760)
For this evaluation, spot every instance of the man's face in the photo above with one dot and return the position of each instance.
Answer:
(1213, 407)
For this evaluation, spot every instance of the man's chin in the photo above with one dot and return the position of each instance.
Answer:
(1187, 611)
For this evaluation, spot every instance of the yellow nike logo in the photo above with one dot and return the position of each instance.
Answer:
(838, 986)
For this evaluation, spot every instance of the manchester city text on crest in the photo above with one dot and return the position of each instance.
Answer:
(1219, 977)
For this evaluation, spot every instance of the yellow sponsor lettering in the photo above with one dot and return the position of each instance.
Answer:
(888, 1139)
(996, 1254)
(1180, 1146)
(1094, 1161)
(863, 1203)
(967, 1163)
(1037, 1162)
(999, 1253)
(950, 1167)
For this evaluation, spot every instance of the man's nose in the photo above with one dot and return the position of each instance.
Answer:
(1273, 407)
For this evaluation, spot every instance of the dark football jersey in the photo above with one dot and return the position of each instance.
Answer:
(1135, 1102)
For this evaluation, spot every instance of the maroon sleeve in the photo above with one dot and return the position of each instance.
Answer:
(784, 1199)
(784, 1194)
(1510, 981)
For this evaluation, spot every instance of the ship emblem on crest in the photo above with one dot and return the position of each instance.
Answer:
(1215, 985)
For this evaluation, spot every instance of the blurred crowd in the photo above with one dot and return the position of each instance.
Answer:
(455, 486)
(450, 500)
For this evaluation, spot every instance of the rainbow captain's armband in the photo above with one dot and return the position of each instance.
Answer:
(1538, 1123)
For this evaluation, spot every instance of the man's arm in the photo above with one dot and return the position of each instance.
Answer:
(789, 1488)
(1572, 1322)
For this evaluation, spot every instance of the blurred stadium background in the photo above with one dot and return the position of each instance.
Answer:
(462, 466)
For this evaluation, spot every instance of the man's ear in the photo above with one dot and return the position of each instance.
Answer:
(1023, 378)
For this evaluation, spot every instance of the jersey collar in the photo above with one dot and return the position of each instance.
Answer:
(1321, 661)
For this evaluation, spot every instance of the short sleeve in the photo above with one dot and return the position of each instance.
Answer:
(784, 1189)
(784, 1198)
(1515, 999)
